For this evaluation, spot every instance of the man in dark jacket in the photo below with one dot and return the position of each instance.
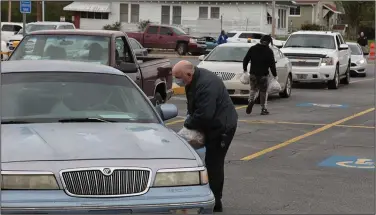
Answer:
(363, 42)
(211, 112)
(261, 58)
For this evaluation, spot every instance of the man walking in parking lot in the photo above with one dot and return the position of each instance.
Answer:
(363, 42)
(211, 112)
(261, 58)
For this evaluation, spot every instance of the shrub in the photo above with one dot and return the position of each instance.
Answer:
(115, 27)
(310, 27)
(143, 24)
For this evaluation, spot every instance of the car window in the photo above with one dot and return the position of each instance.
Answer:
(230, 35)
(338, 41)
(60, 27)
(245, 35)
(311, 41)
(51, 96)
(68, 27)
(165, 31)
(36, 27)
(355, 49)
(152, 30)
(63, 47)
(122, 52)
(134, 44)
(7, 27)
(227, 54)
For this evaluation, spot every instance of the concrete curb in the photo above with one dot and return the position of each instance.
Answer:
(177, 89)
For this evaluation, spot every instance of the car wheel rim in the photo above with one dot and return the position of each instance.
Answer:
(336, 79)
(180, 49)
(288, 86)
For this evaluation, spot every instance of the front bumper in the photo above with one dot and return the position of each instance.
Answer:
(156, 200)
(196, 48)
(313, 74)
(236, 89)
(358, 68)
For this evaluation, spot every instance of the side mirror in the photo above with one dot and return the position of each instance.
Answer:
(167, 111)
(128, 67)
(201, 57)
(343, 47)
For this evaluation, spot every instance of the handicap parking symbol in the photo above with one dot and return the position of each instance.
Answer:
(322, 105)
(348, 162)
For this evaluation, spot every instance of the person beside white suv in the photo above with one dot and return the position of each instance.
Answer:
(318, 56)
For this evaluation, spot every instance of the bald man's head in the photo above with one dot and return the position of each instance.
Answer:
(183, 72)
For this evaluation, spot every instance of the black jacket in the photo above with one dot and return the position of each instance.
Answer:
(209, 105)
(362, 41)
(261, 58)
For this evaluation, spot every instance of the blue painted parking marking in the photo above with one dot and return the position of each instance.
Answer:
(348, 162)
(322, 105)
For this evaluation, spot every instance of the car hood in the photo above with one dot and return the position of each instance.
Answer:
(91, 141)
(291, 50)
(356, 58)
(214, 66)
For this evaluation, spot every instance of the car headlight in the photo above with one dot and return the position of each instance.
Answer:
(181, 177)
(360, 61)
(191, 40)
(326, 61)
(11, 180)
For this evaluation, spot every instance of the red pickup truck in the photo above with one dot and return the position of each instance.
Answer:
(169, 37)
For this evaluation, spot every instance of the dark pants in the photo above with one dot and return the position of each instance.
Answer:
(259, 84)
(215, 162)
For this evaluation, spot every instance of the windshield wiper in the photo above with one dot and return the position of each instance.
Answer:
(88, 119)
(15, 122)
(294, 46)
(319, 47)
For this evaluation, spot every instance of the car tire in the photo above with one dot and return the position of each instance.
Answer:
(158, 99)
(288, 86)
(346, 79)
(182, 49)
(334, 84)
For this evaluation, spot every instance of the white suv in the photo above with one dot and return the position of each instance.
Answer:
(318, 56)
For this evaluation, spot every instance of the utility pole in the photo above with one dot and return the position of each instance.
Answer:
(43, 16)
(38, 11)
(221, 22)
(273, 19)
(9, 10)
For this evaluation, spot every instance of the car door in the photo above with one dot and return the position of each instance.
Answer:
(166, 39)
(281, 66)
(151, 37)
(342, 57)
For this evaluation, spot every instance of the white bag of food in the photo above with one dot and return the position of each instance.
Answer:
(274, 86)
(194, 138)
(244, 78)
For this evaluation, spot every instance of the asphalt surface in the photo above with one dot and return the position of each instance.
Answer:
(276, 162)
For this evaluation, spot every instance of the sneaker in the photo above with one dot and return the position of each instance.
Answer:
(249, 107)
(218, 207)
(264, 111)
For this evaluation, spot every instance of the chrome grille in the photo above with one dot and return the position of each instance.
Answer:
(95, 183)
(225, 76)
(304, 63)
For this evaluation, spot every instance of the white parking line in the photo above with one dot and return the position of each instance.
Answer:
(367, 79)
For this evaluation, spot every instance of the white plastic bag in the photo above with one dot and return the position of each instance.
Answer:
(244, 78)
(274, 86)
(194, 138)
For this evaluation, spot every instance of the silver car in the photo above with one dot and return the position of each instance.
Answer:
(358, 60)
(83, 138)
(138, 49)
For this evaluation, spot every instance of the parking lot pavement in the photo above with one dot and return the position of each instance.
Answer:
(313, 154)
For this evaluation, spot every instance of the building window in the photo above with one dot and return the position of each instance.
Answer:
(282, 18)
(295, 11)
(135, 13)
(203, 12)
(123, 12)
(176, 15)
(214, 13)
(165, 15)
(269, 18)
(93, 15)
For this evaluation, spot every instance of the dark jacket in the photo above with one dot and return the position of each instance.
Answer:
(261, 58)
(362, 41)
(210, 107)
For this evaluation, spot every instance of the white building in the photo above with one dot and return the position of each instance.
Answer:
(199, 18)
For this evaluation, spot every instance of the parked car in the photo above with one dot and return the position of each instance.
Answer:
(211, 43)
(4, 51)
(358, 60)
(226, 60)
(252, 36)
(169, 37)
(37, 26)
(318, 56)
(152, 74)
(138, 49)
(8, 29)
(83, 138)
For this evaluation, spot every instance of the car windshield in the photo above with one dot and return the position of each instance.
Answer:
(64, 47)
(35, 27)
(228, 54)
(311, 41)
(46, 97)
(178, 31)
(230, 35)
(355, 50)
